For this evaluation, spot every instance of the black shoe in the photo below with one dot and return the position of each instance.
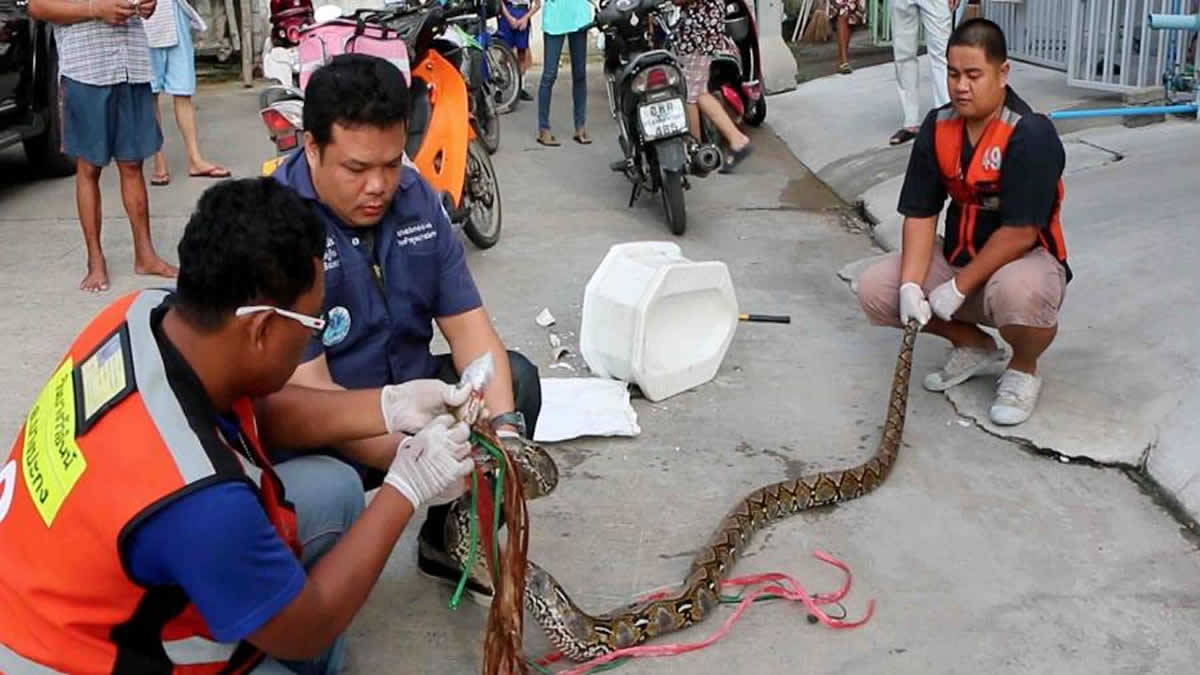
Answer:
(437, 565)
(524, 95)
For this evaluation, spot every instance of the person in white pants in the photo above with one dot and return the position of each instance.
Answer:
(908, 16)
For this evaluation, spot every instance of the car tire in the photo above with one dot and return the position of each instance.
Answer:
(44, 151)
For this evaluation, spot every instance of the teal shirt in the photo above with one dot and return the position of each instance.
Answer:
(565, 16)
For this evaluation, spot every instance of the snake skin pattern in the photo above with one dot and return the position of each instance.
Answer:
(581, 636)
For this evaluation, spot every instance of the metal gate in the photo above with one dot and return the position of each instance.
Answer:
(1037, 31)
(1114, 49)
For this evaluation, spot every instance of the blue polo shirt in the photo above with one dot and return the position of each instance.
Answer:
(380, 334)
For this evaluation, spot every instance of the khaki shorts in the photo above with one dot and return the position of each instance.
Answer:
(1028, 291)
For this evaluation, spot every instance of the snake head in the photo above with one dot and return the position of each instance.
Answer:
(536, 468)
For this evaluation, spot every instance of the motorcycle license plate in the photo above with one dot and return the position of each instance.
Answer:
(662, 119)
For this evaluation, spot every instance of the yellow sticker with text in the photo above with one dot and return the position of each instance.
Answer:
(51, 462)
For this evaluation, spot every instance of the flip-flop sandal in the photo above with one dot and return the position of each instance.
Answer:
(215, 172)
(582, 139)
(549, 141)
(845, 69)
(737, 158)
(902, 136)
(160, 179)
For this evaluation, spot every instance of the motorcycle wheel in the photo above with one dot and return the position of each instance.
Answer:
(673, 204)
(488, 118)
(505, 75)
(757, 113)
(482, 192)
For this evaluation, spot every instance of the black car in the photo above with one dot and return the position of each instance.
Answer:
(29, 110)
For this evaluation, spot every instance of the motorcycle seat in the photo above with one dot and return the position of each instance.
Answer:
(419, 114)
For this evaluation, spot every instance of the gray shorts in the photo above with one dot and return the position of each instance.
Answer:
(1028, 291)
(105, 123)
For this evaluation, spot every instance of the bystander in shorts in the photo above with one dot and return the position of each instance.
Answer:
(517, 39)
(175, 66)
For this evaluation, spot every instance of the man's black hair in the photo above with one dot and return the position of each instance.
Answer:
(249, 241)
(982, 33)
(353, 90)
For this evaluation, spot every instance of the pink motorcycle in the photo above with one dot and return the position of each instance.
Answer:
(736, 78)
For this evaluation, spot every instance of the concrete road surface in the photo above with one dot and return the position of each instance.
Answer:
(981, 558)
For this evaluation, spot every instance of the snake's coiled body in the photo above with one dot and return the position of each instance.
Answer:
(581, 636)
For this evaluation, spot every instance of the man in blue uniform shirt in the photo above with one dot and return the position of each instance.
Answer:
(393, 266)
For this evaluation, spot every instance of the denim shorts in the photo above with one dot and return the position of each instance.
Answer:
(101, 124)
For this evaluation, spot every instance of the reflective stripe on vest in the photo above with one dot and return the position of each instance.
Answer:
(186, 652)
(150, 375)
(12, 663)
(197, 650)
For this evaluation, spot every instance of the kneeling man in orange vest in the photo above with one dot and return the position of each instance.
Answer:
(142, 527)
(1003, 261)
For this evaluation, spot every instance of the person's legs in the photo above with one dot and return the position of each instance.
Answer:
(87, 137)
(713, 110)
(328, 499)
(138, 137)
(974, 353)
(159, 57)
(1023, 298)
(524, 60)
(578, 46)
(936, 18)
(843, 37)
(905, 23)
(552, 51)
(180, 82)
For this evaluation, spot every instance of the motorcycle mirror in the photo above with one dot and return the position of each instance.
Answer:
(327, 13)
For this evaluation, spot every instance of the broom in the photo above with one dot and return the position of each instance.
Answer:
(819, 28)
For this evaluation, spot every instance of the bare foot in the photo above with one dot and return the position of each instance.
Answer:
(156, 266)
(96, 280)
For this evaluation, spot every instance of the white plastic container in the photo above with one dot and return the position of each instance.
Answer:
(655, 318)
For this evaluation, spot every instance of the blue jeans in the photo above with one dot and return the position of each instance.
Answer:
(577, 42)
(328, 496)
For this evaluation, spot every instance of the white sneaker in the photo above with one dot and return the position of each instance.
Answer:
(1016, 397)
(965, 363)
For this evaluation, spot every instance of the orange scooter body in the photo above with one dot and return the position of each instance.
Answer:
(442, 155)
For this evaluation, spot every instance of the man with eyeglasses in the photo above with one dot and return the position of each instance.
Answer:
(394, 268)
(143, 528)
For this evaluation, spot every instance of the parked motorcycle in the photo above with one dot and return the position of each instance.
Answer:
(280, 61)
(468, 30)
(646, 96)
(736, 78)
(442, 145)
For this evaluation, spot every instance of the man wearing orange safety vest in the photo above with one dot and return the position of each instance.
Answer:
(142, 528)
(1003, 260)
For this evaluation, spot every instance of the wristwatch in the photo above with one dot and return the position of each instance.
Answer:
(514, 418)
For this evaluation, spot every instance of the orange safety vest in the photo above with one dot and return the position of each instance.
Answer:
(106, 444)
(974, 212)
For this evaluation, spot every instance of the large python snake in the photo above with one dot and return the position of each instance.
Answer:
(581, 636)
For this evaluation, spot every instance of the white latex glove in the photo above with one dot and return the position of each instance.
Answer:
(913, 304)
(431, 462)
(945, 300)
(410, 406)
